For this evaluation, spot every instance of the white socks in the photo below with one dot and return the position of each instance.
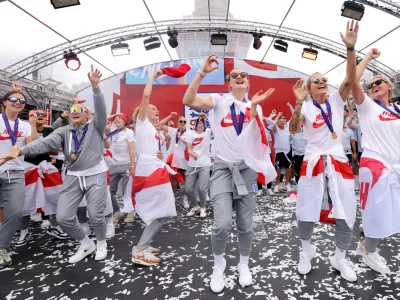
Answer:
(109, 220)
(219, 261)
(340, 253)
(306, 246)
(86, 242)
(244, 260)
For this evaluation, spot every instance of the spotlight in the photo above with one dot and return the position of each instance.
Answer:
(353, 10)
(281, 45)
(152, 43)
(173, 38)
(310, 53)
(120, 49)
(72, 61)
(257, 40)
(64, 3)
(219, 39)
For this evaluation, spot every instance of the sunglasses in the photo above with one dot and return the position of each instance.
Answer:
(15, 99)
(182, 122)
(234, 75)
(43, 115)
(282, 118)
(317, 80)
(77, 109)
(376, 82)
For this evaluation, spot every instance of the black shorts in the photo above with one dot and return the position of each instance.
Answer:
(283, 160)
(350, 158)
(359, 156)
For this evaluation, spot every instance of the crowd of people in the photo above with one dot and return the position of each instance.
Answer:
(328, 148)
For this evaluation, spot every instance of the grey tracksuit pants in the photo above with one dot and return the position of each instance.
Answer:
(94, 188)
(201, 176)
(343, 233)
(371, 244)
(232, 187)
(25, 220)
(150, 231)
(118, 173)
(12, 197)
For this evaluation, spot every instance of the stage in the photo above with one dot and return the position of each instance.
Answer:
(40, 270)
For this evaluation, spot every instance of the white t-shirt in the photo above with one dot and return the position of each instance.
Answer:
(316, 132)
(380, 130)
(201, 146)
(282, 139)
(146, 138)
(268, 133)
(119, 146)
(347, 137)
(359, 137)
(178, 149)
(299, 143)
(222, 127)
(24, 130)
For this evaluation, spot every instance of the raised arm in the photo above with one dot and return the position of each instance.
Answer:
(356, 89)
(290, 107)
(100, 111)
(166, 120)
(191, 99)
(297, 119)
(276, 121)
(350, 121)
(146, 96)
(349, 40)
(34, 134)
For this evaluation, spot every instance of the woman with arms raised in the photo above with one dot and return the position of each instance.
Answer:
(325, 164)
(379, 165)
(233, 183)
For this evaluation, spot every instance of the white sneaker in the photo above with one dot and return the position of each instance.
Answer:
(37, 218)
(23, 238)
(101, 251)
(86, 228)
(82, 253)
(288, 188)
(304, 266)
(203, 212)
(110, 231)
(217, 282)
(342, 265)
(45, 224)
(276, 189)
(144, 258)
(360, 250)
(259, 192)
(374, 261)
(185, 202)
(281, 186)
(5, 259)
(193, 211)
(270, 192)
(245, 278)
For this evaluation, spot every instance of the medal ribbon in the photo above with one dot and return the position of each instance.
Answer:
(111, 134)
(327, 119)
(75, 138)
(397, 113)
(238, 125)
(177, 138)
(197, 123)
(159, 141)
(13, 134)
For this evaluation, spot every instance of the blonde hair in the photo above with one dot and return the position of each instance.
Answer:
(387, 81)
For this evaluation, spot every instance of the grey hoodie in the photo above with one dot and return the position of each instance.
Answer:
(91, 150)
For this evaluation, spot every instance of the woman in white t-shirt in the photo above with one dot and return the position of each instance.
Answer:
(148, 141)
(379, 174)
(13, 133)
(198, 171)
(121, 144)
(349, 145)
(325, 164)
(233, 184)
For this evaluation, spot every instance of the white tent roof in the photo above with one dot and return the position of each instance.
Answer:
(33, 26)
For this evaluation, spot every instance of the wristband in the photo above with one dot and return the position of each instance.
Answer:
(351, 49)
(131, 167)
(202, 74)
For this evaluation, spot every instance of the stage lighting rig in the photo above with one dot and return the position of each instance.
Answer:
(64, 3)
(281, 45)
(353, 10)
(219, 39)
(120, 49)
(152, 43)
(173, 38)
(309, 53)
(71, 60)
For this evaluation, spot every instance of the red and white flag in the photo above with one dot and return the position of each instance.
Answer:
(253, 143)
(42, 188)
(152, 194)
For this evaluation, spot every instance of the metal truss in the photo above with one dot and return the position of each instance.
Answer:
(388, 6)
(108, 37)
(41, 93)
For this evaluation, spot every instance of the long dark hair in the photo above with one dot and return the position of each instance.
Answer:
(6, 96)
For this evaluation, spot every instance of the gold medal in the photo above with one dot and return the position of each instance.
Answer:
(73, 156)
(14, 148)
(334, 135)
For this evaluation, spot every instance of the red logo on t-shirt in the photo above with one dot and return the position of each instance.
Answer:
(5, 136)
(227, 121)
(387, 116)
(197, 141)
(319, 121)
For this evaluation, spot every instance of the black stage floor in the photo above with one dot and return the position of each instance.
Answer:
(41, 271)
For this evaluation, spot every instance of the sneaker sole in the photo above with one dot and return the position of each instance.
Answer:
(56, 236)
(5, 265)
(100, 258)
(374, 269)
(333, 264)
(144, 263)
(110, 236)
(21, 245)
